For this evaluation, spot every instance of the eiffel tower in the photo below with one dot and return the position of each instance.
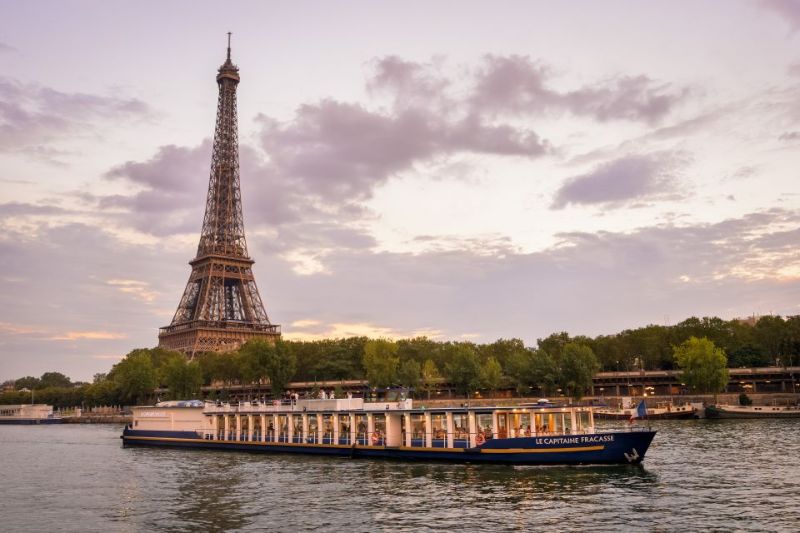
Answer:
(220, 308)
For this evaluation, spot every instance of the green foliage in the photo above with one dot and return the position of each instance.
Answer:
(259, 359)
(280, 366)
(463, 367)
(102, 392)
(381, 362)
(409, 373)
(183, 378)
(430, 376)
(577, 365)
(704, 367)
(491, 374)
(54, 379)
(28, 382)
(135, 376)
(745, 400)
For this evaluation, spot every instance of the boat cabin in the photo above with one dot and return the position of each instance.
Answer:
(351, 421)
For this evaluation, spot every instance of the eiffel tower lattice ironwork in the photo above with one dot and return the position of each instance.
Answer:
(221, 308)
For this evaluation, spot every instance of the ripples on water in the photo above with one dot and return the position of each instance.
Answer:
(698, 475)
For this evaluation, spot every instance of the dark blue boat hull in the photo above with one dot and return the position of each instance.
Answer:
(30, 421)
(598, 448)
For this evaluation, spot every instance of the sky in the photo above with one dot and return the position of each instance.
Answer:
(460, 170)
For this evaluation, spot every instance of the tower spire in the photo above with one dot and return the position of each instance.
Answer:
(221, 308)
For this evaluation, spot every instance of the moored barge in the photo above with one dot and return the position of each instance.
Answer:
(354, 428)
(753, 411)
(27, 414)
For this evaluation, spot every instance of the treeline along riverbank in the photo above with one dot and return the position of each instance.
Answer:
(559, 364)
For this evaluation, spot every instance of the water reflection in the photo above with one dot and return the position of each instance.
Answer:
(729, 475)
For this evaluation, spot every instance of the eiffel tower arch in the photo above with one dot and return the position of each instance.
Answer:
(221, 308)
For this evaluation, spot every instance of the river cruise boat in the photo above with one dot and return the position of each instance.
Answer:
(350, 427)
(753, 411)
(33, 413)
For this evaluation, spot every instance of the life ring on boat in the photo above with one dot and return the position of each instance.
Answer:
(480, 439)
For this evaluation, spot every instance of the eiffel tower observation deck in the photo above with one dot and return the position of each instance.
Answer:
(220, 308)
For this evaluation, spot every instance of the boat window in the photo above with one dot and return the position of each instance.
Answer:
(361, 429)
(583, 420)
(502, 425)
(483, 422)
(283, 428)
(418, 430)
(245, 427)
(344, 429)
(519, 425)
(555, 423)
(460, 430)
(327, 429)
(312, 429)
(379, 434)
(438, 430)
(566, 423)
(297, 428)
(257, 428)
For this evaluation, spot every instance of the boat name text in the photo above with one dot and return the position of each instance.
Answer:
(583, 439)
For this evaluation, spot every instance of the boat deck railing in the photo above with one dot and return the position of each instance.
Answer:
(459, 439)
(294, 406)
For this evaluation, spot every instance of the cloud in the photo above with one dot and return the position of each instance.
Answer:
(410, 83)
(790, 136)
(622, 181)
(32, 115)
(19, 209)
(789, 10)
(89, 335)
(516, 84)
(734, 267)
(6, 49)
(343, 151)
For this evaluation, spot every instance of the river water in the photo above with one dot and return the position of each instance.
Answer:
(698, 475)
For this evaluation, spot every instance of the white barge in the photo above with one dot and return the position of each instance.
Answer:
(33, 413)
(354, 428)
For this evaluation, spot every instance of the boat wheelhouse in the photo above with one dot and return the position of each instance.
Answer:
(355, 428)
(33, 413)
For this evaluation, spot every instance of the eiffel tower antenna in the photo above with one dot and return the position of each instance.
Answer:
(221, 308)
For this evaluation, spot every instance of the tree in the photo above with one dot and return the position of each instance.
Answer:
(280, 366)
(259, 358)
(182, 378)
(430, 376)
(491, 374)
(704, 367)
(577, 366)
(519, 368)
(543, 371)
(54, 379)
(28, 382)
(381, 362)
(408, 373)
(463, 369)
(135, 377)
(102, 392)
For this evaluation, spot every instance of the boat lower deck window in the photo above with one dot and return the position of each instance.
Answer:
(379, 430)
(460, 430)
(483, 423)
(519, 425)
(344, 429)
(418, 430)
